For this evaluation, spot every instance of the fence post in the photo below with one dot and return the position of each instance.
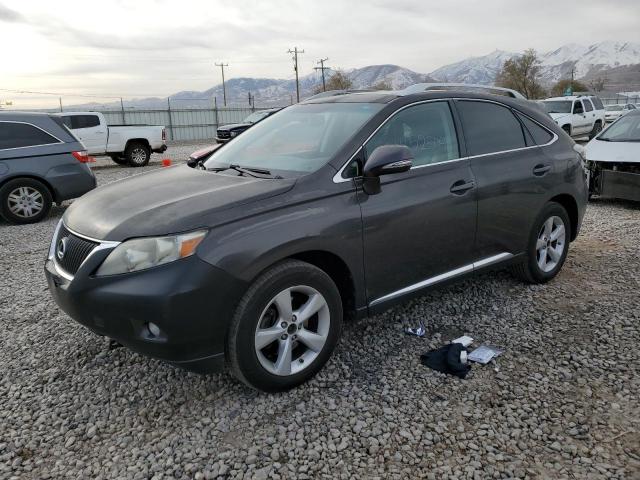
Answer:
(124, 120)
(170, 119)
(215, 111)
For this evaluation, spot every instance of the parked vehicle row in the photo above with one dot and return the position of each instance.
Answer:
(41, 162)
(614, 112)
(125, 144)
(335, 207)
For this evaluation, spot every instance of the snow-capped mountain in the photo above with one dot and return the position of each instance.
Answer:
(482, 70)
(393, 75)
(587, 61)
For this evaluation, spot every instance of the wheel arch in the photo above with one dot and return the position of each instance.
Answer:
(42, 180)
(138, 140)
(571, 206)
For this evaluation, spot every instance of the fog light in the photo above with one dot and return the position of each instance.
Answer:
(154, 330)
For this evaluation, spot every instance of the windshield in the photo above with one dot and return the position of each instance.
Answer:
(255, 117)
(627, 129)
(613, 108)
(301, 138)
(557, 106)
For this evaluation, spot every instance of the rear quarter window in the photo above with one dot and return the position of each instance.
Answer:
(541, 136)
(597, 103)
(489, 127)
(21, 135)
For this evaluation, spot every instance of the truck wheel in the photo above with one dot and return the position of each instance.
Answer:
(119, 159)
(597, 128)
(285, 327)
(137, 154)
(24, 200)
(548, 245)
(567, 128)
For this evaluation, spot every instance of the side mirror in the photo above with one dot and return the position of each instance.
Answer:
(384, 160)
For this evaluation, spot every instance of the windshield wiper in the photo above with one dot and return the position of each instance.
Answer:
(252, 172)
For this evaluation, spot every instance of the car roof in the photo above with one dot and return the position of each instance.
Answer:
(18, 116)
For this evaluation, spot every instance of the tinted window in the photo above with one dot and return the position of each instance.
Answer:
(427, 129)
(540, 135)
(598, 104)
(81, 121)
(577, 107)
(489, 127)
(587, 105)
(17, 135)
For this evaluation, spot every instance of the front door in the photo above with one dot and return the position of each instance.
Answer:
(581, 124)
(420, 228)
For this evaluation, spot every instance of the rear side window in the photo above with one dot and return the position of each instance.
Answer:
(20, 135)
(598, 103)
(587, 105)
(541, 136)
(489, 127)
(80, 121)
(427, 129)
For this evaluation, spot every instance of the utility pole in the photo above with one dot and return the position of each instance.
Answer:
(295, 52)
(322, 68)
(224, 89)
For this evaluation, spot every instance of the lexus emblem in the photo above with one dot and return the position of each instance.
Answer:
(61, 249)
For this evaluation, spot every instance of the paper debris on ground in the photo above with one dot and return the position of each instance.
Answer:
(484, 354)
(465, 340)
(419, 331)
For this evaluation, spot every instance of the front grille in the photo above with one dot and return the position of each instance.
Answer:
(224, 134)
(75, 252)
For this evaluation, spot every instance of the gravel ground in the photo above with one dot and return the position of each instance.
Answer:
(562, 402)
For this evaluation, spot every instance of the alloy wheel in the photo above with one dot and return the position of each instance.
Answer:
(138, 155)
(25, 202)
(551, 243)
(292, 330)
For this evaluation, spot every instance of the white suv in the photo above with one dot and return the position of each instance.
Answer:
(577, 115)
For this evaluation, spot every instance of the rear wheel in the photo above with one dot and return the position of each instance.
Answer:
(548, 245)
(285, 327)
(597, 128)
(137, 154)
(24, 200)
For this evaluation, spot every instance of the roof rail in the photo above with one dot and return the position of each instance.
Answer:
(468, 87)
(335, 93)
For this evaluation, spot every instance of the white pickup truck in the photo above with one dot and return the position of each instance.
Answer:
(578, 115)
(125, 144)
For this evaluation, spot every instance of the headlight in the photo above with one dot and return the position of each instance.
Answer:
(142, 253)
(233, 134)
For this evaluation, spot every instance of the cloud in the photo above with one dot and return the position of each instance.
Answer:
(10, 16)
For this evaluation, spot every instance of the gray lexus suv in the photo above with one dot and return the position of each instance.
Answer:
(41, 162)
(336, 207)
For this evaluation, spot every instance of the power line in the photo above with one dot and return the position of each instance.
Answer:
(224, 89)
(295, 52)
(322, 68)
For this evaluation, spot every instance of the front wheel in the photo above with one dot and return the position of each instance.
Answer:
(597, 128)
(285, 327)
(24, 200)
(548, 245)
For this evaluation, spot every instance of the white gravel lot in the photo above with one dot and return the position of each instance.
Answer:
(562, 402)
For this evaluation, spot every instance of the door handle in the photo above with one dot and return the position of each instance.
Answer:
(540, 170)
(461, 186)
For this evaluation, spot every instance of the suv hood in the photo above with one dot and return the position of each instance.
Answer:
(234, 126)
(166, 201)
(558, 116)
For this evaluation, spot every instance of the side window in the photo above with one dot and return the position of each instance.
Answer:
(597, 103)
(577, 107)
(427, 129)
(85, 121)
(587, 105)
(19, 135)
(489, 127)
(541, 136)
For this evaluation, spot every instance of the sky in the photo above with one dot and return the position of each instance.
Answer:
(147, 48)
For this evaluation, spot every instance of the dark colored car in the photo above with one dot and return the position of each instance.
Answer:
(41, 162)
(202, 154)
(339, 206)
(232, 130)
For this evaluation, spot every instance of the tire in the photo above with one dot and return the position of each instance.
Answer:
(119, 159)
(260, 334)
(24, 200)
(533, 270)
(597, 128)
(567, 129)
(137, 154)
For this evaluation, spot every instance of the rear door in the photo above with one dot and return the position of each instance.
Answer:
(422, 224)
(511, 172)
(579, 121)
(590, 113)
(88, 129)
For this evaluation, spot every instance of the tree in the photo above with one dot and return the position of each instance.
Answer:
(598, 83)
(339, 80)
(383, 85)
(522, 74)
(559, 88)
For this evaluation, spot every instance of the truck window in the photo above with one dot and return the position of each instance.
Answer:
(587, 105)
(577, 107)
(81, 121)
(597, 103)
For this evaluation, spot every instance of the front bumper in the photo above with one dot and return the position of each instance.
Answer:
(222, 140)
(190, 301)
